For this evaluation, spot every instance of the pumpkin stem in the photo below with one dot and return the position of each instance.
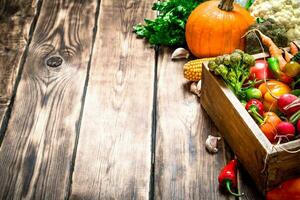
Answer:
(226, 5)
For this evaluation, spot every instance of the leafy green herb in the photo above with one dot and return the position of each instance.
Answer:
(169, 27)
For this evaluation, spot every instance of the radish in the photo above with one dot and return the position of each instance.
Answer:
(286, 129)
(298, 126)
(288, 104)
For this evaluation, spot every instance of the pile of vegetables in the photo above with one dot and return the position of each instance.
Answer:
(176, 25)
(267, 87)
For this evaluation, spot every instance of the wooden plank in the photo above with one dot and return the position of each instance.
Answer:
(114, 151)
(183, 168)
(15, 21)
(36, 153)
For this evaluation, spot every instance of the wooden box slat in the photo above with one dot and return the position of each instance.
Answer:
(266, 164)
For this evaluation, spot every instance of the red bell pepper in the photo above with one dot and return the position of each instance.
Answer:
(288, 190)
(255, 104)
(227, 177)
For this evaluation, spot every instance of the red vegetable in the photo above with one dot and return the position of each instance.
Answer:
(285, 105)
(288, 190)
(255, 104)
(227, 177)
(298, 126)
(260, 71)
(286, 129)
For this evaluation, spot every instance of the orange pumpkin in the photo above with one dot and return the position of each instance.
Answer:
(216, 27)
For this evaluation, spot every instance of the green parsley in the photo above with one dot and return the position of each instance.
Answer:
(169, 27)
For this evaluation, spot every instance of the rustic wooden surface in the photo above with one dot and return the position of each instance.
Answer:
(115, 120)
(37, 149)
(16, 17)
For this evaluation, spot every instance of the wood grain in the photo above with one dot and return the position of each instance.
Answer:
(114, 150)
(16, 17)
(183, 168)
(36, 153)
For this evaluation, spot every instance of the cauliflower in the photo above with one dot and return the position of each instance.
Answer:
(285, 12)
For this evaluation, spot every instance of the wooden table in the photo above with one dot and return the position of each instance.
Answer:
(88, 111)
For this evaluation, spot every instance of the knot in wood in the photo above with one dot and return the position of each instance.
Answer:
(54, 61)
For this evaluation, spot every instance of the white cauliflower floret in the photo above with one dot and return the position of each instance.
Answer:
(285, 12)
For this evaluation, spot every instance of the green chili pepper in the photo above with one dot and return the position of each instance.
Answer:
(276, 71)
(274, 66)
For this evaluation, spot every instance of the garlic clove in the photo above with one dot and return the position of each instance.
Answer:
(180, 53)
(211, 144)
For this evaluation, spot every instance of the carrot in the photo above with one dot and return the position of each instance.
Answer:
(287, 56)
(273, 49)
(293, 48)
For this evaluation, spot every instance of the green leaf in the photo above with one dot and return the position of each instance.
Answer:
(168, 28)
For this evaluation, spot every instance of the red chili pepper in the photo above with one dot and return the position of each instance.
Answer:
(255, 104)
(227, 177)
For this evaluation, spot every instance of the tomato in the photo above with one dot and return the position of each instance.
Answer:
(260, 70)
(277, 89)
(292, 69)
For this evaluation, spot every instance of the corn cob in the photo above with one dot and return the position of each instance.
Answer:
(193, 69)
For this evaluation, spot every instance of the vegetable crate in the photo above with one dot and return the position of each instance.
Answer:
(267, 164)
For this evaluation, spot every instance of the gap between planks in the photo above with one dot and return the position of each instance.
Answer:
(153, 131)
(78, 126)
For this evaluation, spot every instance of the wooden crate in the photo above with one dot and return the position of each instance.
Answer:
(268, 165)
